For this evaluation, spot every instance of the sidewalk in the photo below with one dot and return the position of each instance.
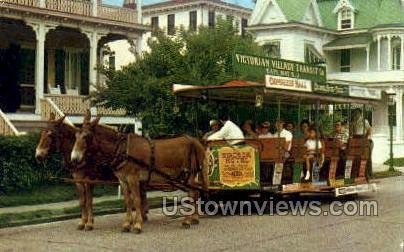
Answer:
(75, 203)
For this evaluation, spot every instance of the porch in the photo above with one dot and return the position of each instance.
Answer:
(49, 54)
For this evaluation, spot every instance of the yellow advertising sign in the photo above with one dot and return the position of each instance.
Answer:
(237, 166)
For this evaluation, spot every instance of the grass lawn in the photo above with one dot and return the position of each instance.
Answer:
(51, 194)
(386, 174)
(397, 162)
(44, 216)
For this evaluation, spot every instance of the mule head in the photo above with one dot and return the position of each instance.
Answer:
(84, 139)
(49, 138)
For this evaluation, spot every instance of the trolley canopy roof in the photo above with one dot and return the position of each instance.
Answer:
(306, 93)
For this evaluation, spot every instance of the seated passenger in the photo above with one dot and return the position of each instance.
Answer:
(214, 127)
(314, 151)
(230, 132)
(283, 133)
(304, 128)
(341, 136)
(248, 130)
(290, 126)
(264, 132)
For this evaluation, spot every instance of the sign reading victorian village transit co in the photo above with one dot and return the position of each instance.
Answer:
(278, 67)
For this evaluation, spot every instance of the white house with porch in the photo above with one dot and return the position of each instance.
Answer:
(49, 52)
(361, 42)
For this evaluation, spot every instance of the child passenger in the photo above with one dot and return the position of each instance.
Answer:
(314, 149)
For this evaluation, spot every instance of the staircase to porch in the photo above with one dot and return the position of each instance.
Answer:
(27, 122)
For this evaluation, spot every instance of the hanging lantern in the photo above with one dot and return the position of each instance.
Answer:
(259, 100)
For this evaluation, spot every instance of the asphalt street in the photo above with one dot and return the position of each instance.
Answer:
(384, 232)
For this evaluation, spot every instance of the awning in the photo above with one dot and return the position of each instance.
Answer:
(348, 42)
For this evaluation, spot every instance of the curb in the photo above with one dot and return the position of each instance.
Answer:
(154, 203)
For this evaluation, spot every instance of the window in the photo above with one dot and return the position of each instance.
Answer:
(346, 21)
(212, 19)
(396, 56)
(346, 60)
(111, 61)
(171, 24)
(273, 49)
(244, 24)
(311, 55)
(155, 23)
(192, 20)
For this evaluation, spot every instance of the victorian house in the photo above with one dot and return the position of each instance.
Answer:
(360, 41)
(169, 16)
(49, 52)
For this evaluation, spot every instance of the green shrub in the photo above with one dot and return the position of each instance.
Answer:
(19, 170)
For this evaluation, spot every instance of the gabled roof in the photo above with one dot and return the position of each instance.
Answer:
(368, 13)
(294, 10)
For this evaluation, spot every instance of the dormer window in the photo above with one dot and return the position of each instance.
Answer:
(346, 20)
(346, 15)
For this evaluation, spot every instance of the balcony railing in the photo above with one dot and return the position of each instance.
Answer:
(34, 3)
(79, 104)
(71, 6)
(113, 13)
(81, 7)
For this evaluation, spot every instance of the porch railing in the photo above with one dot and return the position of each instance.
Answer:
(71, 6)
(6, 127)
(79, 104)
(118, 14)
(82, 7)
(48, 107)
(71, 104)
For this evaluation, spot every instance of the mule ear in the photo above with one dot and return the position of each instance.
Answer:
(87, 117)
(96, 121)
(52, 116)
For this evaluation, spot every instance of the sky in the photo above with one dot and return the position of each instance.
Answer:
(245, 3)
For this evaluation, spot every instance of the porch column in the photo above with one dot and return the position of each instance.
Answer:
(367, 57)
(402, 53)
(51, 67)
(40, 31)
(378, 52)
(388, 52)
(139, 11)
(93, 37)
(399, 114)
(94, 8)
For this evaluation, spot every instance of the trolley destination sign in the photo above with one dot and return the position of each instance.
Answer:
(261, 66)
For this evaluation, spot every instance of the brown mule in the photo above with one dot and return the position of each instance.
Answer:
(148, 161)
(91, 147)
(60, 136)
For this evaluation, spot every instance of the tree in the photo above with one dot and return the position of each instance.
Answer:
(144, 88)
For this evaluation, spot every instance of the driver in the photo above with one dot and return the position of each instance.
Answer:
(230, 132)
